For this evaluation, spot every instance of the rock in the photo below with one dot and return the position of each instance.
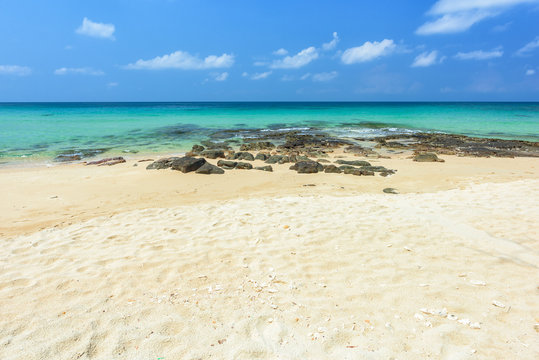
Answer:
(244, 166)
(107, 161)
(354, 162)
(380, 169)
(307, 167)
(323, 160)
(228, 165)
(208, 169)
(163, 163)
(264, 168)
(284, 159)
(197, 149)
(427, 157)
(215, 145)
(187, 164)
(302, 158)
(390, 191)
(261, 156)
(332, 169)
(242, 155)
(358, 172)
(213, 154)
(78, 154)
(274, 159)
(261, 145)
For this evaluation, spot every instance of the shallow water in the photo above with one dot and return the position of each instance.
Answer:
(41, 131)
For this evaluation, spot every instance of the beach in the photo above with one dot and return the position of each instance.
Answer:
(128, 263)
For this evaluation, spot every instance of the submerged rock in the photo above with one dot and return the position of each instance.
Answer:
(197, 149)
(208, 169)
(260, 145)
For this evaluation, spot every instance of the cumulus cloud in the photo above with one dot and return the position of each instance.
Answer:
(221, 77)
(529, 47)
(184, 61)
(78, 71)
(95, 29)
(260, 76)
(368, 51)
(453, 16)
(530, 72)
(301, 59)
(332, 44)
(480, 55)
(325, 76)
(426, 59)
(15, 70)
(280, 52)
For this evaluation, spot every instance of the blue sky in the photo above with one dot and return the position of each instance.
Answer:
(197, 50)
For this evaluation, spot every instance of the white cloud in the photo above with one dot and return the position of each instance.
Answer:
(503, 27)
(480, 55)
(280, 52)
(15, 70)
(245, 74)
(95, 29)
(260, 76)
(301, 59)
(221, 77)
(184, 61)
(78, 71)
(305, 76)
(287, 78)
(426, 59)
(368, 51)
(112, 84)
(532, 45)
(325, 76)
(459, 15)
(530, 72)
(332, 44)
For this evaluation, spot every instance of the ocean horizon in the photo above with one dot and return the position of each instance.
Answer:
(39, 131)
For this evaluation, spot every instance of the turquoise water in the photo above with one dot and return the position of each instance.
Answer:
(38, 131)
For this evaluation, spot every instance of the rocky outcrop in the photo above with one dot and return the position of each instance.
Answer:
(244, 166)
(242, 155)
(164, 163)
(278, 159)
(358, 172)
(262, 156)
(332, 169)
(257, 146)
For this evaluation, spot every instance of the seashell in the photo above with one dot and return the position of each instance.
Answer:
(419, 317)
(428, 324)
(407, 248)
(498, 304)
(273, 306)
(464, 321)
(475, 325)
(452, 317)
(442, 313)
(270, 320)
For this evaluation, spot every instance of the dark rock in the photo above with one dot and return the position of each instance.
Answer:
(187, 164)
(379, 169)
(307, 167)
(354, 162)
(253, 146)
(264, 168)
(213, 154)
(215, 145)
(78, 154)
(261, 156)
(323, 160)
(242, 155)
(197, 149)
(332, 169)
(390, 191)
(229, 165)
(144, 160)
(284, 159)
(358, 172)
(160, 164)
(244, 166)
(208, 169)
(274, 159)
(427, 157)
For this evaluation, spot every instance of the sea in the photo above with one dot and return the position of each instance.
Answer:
(41, 132)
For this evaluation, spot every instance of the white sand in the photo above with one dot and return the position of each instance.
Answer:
(291, 277)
